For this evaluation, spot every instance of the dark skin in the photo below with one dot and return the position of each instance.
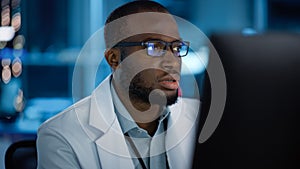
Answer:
(166, 67)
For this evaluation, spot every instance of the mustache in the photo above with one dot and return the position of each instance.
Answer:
(173, 75)
(158, 73)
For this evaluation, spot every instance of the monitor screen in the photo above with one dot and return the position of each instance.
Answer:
(260, 123)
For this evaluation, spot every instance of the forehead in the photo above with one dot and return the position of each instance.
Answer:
(151, 36)
(145, 23)
(153, 23)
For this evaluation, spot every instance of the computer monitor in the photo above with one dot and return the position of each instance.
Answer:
(260, 124)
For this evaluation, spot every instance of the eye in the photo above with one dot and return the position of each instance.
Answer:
(155, 48)
(156, 45)
(179, 48)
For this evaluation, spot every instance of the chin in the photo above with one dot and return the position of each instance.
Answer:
(172, 99)
(142, 93)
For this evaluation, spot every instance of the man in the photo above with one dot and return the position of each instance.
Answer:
(134, 118)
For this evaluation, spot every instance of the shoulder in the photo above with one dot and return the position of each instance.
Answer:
(68, 118)
(59, 137)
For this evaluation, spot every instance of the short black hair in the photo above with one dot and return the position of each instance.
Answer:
(133, 7)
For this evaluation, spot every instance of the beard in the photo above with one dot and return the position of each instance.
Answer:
(138, 91)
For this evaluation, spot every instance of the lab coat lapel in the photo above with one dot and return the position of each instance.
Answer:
(111, 146)
(112, 149)
(181, 133)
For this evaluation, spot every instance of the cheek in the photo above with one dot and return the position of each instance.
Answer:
(132, 67)
(146, 78)
(139, 61)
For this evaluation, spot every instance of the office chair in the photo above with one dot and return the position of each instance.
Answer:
(21, 155)
(260, 125)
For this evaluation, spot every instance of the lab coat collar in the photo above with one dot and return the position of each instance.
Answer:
(101, 109)
(103, 118)
(180, 136)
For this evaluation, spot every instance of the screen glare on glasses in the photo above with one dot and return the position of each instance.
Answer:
(157, 48)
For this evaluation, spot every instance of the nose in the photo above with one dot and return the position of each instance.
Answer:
(170, 62)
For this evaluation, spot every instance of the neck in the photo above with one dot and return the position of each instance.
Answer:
(145, 116)
(150, 127)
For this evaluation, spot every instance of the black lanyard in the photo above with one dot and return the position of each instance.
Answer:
(136, 152)
(141, 161)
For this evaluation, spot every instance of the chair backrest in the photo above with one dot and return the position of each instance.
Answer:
(21, 155)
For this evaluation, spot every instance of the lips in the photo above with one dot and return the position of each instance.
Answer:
(169, 82)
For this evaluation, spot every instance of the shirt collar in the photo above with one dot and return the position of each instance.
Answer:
(126, 121)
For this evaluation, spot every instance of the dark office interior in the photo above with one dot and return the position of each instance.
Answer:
(257, 42)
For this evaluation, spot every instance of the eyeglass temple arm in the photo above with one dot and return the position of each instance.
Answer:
(124, 44)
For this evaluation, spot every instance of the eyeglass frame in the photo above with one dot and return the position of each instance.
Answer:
(145, 43)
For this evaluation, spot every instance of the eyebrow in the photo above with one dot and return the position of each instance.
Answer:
(148, 39)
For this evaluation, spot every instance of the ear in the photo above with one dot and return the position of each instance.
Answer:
(113, 57)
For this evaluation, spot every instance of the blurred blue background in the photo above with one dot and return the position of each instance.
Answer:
(37, 64)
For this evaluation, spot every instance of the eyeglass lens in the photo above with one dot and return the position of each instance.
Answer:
(158, 48)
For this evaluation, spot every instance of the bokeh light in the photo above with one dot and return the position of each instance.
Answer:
(16, 21)
(19, 42)
(15, 3)
(5, 62)
(6, 33)
(18, 52)
(6, 74)
(19, 101)
(4, 3)
(16, 67)
(5, 16)
(2, 44)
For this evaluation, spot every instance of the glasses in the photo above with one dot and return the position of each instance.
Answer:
(158, 48)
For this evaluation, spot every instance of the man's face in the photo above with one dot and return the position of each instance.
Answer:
(146, 73)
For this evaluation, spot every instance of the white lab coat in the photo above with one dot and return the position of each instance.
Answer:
(88, 135)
